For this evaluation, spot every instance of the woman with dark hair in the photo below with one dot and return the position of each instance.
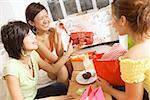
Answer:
(132, 17)
(49, 42)
(21, 70)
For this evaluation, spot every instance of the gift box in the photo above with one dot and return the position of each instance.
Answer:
(82, 62)
(81, 37)
(108, 70)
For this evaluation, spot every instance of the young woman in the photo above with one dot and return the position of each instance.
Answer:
(132, 17)
(21, 70)
(49, 42)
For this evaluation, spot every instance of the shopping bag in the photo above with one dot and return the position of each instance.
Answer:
(108, 70)
(92, 94)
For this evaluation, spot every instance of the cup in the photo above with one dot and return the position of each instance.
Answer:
(123, 40)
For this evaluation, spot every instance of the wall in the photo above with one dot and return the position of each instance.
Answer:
(10, 10)
(13, 10)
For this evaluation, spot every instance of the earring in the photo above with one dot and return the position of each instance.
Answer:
(24, 53)
(33, 29)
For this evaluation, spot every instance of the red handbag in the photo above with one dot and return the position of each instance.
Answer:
(80, 37)
(108, 70)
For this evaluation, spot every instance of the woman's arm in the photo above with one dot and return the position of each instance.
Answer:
(132, 91)
(47, 53)
(135, 91)
(54, 68)
(59, 46)
(58, 40)
(65, 97)
(13, 87)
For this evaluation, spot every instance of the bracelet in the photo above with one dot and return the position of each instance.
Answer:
(66, 56)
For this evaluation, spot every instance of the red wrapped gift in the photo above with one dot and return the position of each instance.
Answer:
(108, 70)
(80, 37)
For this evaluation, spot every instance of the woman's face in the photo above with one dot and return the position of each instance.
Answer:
(41, 21)
(30, 42)
(115, 24)
(118, 24)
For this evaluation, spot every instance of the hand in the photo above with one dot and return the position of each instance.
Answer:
(76, 48)
(65, 97)
(70, 48)
(104, 84)
(59, 28)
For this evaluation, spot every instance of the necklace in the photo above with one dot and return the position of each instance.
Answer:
(31, 67)
(31, 64)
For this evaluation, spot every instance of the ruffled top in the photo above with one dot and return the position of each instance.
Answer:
(135, 71)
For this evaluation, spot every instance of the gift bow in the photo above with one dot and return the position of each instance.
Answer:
(91, 94)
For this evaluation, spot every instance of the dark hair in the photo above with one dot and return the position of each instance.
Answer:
(13, 34)
(31, 11)
(137, 13)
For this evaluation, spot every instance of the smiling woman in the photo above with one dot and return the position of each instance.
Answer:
(50, 46)
(21, 70)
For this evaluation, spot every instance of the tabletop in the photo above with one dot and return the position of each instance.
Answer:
(74, 86)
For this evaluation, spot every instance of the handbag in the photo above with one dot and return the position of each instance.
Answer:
(81, 37)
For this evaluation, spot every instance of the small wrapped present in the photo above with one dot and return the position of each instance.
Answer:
(79, 60)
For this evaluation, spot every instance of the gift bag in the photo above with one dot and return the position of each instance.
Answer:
(108, 70)
(81, 37)
(92, 94)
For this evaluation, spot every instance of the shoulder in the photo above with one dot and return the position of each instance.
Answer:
(135, 63)
(12, 67)
(140, 51)
(133, 71)
(34, 54)
(12, 63)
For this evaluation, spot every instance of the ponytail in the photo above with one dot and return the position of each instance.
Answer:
(143, 18)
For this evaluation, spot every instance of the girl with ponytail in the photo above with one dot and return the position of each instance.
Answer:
(132, 17)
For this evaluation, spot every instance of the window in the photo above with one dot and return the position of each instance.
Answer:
(86, 5)
(102, 3)
(63, 8)
(55, 9)
(70, 6)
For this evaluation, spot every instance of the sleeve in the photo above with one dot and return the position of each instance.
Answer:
(132, 71)
(35, 55)
(10, 68)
